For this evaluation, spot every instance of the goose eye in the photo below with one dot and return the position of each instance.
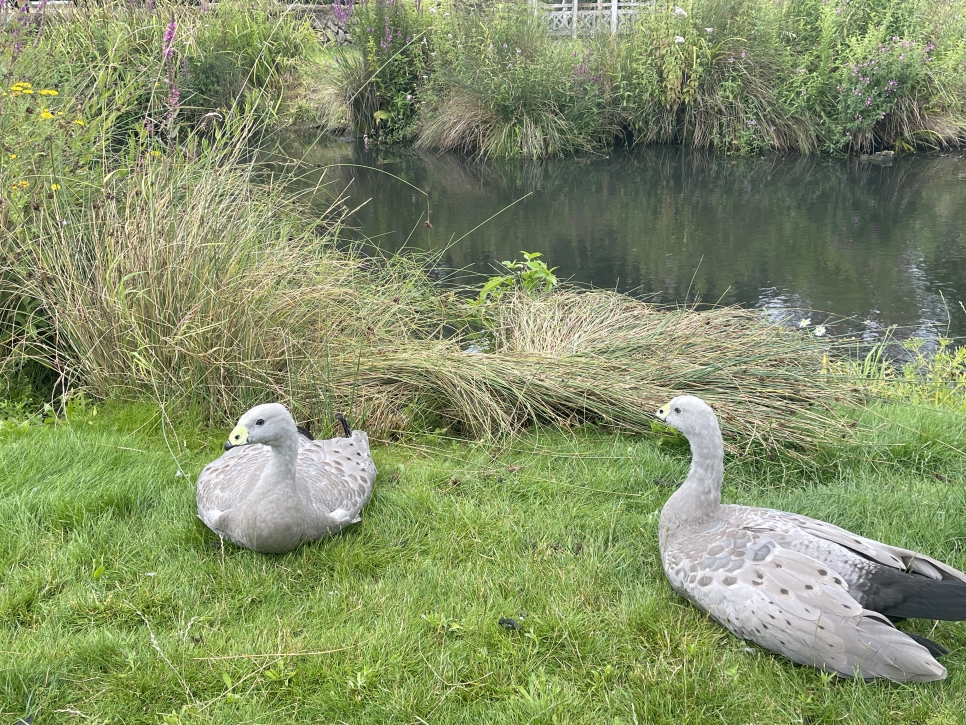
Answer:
(259, 422)
(677, 410)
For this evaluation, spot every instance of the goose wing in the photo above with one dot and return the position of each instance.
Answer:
(228, 480)
(893, 556)
(792, 604)
(337, 474)
(891, 580)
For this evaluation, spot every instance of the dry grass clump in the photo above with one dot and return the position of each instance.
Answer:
(581, 356)
(342, 94)
(463, 122)
(191, 283)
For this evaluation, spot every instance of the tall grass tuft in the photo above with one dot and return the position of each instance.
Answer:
(189, 281)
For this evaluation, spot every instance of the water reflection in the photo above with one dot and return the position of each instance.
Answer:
(880, 245)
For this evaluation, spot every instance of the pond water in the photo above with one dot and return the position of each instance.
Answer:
(863, 245)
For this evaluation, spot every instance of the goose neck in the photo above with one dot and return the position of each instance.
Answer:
(698, 499)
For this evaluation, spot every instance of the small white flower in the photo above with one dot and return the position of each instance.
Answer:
(678, 39)
(432, 10)
(680, 12)
(150, 573)
(709, 30)
(820, 330)
(409, 97)
(805, 322)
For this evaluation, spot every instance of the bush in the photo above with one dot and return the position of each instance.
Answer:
(504, 87)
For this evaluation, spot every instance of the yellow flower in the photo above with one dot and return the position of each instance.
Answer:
(27, 91)
(155, 153)
(20, 184)
(45, 114)
(54, 187)
(48, 92)
(60, 113)
(79, 122)
(13, 156)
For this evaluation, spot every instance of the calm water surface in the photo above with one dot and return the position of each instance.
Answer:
(879, 245)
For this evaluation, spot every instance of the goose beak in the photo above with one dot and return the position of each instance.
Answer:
(663, 411)
(238, 437)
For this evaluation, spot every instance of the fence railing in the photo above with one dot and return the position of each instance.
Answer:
(575, 17)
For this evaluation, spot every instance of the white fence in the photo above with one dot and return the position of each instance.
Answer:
(594, 16)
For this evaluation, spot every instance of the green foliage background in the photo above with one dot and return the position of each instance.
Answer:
(739, 76)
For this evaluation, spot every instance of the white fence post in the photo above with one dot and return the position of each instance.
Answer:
(573, 19)
(613, 16)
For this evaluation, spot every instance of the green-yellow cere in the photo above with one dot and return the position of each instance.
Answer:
(238, 435)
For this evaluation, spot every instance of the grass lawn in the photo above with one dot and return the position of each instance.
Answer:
(118, 605)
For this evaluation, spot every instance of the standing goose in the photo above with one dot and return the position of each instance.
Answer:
(275, 488)
(814, 592)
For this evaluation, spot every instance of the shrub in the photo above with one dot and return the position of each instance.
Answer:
(395, 40)
(505, 87)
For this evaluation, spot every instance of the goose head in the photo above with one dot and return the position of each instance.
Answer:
(690, 415)
(269, 424)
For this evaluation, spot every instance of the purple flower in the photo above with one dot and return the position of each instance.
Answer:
(168, 43)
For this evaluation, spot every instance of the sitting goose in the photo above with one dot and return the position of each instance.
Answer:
(816, 593)
(275, 488)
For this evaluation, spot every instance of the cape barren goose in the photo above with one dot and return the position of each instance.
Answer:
(275, 488)
(814, 592)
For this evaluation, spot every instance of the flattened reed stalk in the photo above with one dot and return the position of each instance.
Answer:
(579, 356)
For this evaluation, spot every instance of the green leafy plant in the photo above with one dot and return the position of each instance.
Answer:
(395, 41)
(868, 89)
(936, 377)
(530, 275)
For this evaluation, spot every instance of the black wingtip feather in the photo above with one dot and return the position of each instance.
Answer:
(345, 424)
(935, 649)
(921, 598)
(305, 431)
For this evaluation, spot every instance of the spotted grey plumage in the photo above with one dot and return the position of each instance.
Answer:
(274, 489)
(812, 591)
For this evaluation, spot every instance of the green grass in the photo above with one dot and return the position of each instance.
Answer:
(117, 603)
